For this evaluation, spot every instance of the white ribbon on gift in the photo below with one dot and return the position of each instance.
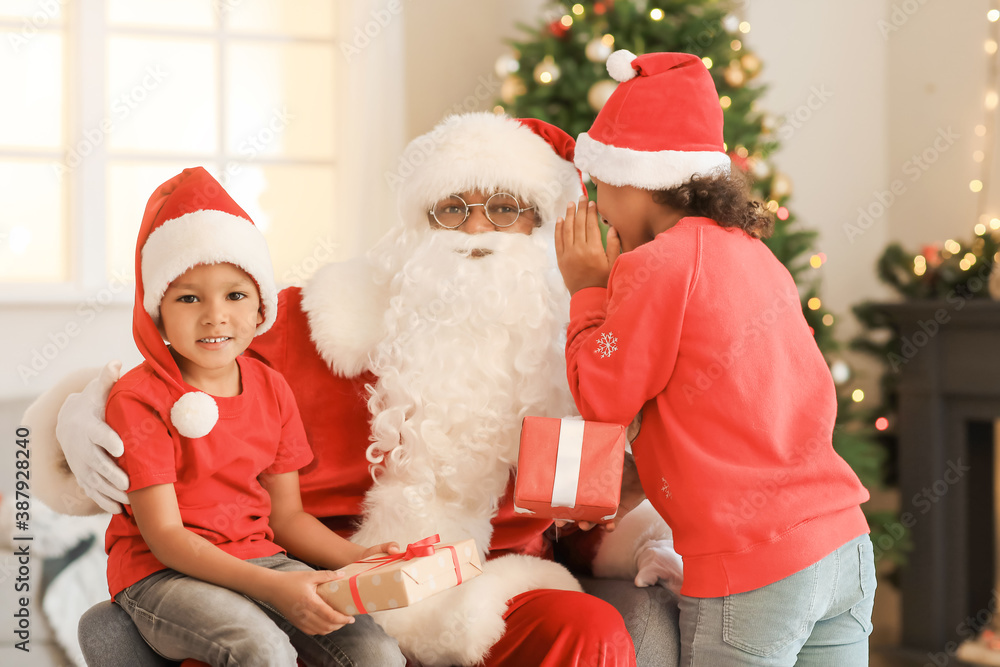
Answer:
(569, 458)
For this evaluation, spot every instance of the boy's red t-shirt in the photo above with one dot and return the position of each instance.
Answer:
(214, 477)
(702, 330)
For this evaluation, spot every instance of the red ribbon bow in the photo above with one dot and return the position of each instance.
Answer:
(419, 549)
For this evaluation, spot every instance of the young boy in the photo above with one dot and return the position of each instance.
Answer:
(698, 326)
(213, 443)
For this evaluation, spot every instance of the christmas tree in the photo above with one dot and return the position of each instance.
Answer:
(557, 72)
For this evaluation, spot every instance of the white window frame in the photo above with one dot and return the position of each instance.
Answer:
(369, 138)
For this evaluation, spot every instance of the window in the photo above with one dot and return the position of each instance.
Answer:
(106, 99)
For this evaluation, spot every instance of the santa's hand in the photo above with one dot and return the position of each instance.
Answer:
(89, 443)
(379, 549)
(657, 562)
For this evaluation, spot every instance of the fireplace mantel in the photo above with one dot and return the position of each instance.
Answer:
(949, 398)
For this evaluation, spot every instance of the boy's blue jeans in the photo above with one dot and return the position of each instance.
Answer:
(819, 617)
(183, 617)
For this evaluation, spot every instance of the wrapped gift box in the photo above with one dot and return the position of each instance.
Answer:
(569, 469)
(380, 583)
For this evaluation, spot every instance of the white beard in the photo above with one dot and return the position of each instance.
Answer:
(472, 346)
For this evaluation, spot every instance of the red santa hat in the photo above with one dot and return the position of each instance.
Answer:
(528, 158)
(661, 126)
(191, 220)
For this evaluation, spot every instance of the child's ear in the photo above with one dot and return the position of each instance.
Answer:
(260, 315)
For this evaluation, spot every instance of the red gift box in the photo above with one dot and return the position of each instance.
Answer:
(569, 469)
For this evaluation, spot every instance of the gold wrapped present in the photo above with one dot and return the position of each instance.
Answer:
(400, 580)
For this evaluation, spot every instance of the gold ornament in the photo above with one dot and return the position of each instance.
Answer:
(512, 88)
(759, 168)
(750, 63)
(547, 71)
(781, 186)
(734, 74)
(599, 93)
(598, 50)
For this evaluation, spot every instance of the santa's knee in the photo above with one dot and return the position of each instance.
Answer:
(575, 623)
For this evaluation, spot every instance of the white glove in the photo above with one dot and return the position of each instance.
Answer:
(89, 443)
(658, 563)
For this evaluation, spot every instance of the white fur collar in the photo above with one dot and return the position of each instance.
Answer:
(346, 311)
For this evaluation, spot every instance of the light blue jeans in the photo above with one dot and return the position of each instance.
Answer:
(183, 617)
(818, 617)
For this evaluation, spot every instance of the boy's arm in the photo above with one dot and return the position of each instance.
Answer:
(302, 534)
(293, 594)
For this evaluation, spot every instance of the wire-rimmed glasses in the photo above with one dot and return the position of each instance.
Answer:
(502, 210)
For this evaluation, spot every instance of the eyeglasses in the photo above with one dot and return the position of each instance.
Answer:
(501, 209)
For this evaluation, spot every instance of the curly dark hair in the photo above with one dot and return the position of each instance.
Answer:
(724, 198)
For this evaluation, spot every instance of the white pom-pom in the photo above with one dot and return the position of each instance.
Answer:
(620, 65)
(194, 414)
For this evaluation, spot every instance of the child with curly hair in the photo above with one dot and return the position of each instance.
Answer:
(689, 320)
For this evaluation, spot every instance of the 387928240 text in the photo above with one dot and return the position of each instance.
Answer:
(22, 538)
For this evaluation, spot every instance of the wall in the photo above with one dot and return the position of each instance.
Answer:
(452, 47)
(831, 102)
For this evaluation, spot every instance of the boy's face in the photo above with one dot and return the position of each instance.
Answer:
(210, 314)
(630, 210)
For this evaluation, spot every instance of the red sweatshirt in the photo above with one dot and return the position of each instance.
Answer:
(702, 330)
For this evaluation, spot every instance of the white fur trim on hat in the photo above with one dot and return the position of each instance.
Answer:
(194, 414)
(486, 152)
(619, 65)
(206, 237)
(649, 170)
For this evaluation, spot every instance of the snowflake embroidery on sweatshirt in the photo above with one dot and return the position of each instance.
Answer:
(607, 345)
(665, 488)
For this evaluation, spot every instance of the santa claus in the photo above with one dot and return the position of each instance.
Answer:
(413, 368)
